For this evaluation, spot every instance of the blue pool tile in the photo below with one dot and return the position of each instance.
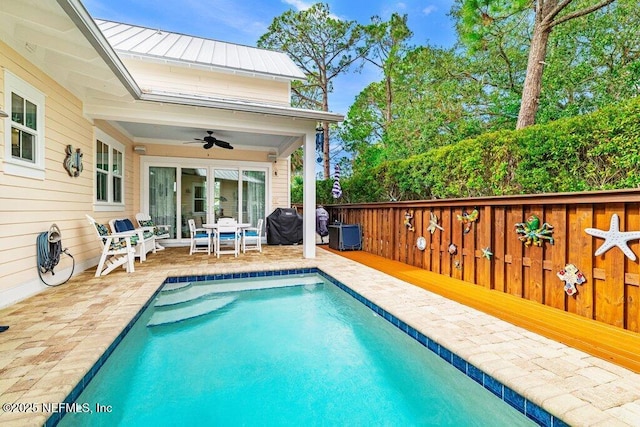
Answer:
(493, 385)
(460, 363)
(514, 399)
(538, 414)
(422, 339)
(557, 422)
(475, 374)
(445, 354)
(433, 346)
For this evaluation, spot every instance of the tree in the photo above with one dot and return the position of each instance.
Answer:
(324, 47)
(385, 47)
(479, 15)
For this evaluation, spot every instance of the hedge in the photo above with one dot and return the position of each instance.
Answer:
(596, 151)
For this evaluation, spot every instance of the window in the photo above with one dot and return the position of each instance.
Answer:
(109, 172)
(199, 198)
(24, 152)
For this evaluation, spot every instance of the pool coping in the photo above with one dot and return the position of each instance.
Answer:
(514, 399)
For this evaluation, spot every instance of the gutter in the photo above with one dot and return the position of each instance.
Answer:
(87, 26)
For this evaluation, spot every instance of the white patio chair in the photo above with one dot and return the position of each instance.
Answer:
(161, 231)
(117, 249)
(200, 238)
(252, 238)
(226, 233)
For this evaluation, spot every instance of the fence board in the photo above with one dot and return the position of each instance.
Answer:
(555, 296)
(514, 252)
(447, 239)
(416, 254)
(485, 230)
(533, 275)
(458, 261)
(632, 289)
(499, 249)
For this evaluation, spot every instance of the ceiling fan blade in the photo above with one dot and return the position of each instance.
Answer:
(223, 144)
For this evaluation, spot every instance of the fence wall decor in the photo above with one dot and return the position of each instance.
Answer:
(493, 254)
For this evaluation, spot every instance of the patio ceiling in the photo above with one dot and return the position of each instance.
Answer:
(61, 38)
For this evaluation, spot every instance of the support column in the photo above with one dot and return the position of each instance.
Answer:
(309, 195)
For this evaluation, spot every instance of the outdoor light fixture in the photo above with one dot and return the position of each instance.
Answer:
(140, 149)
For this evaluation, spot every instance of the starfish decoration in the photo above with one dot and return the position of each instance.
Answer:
(486, 252)
(433, 224)
(614, 237)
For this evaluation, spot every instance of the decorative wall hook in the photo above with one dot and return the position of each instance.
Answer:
(73, 161)
(453, 249)
(571, 277)
(532, 233)
(468, 219)
(408, 217)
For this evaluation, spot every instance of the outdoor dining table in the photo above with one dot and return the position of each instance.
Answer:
(239, 225)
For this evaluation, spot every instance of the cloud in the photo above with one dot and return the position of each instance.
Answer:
(298, 4)
(429, 10)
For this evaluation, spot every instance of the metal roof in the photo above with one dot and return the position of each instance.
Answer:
(190, 50)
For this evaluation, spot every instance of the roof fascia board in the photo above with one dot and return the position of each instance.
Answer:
(83, 21)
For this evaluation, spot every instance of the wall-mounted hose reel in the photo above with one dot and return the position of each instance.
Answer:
(49, 246)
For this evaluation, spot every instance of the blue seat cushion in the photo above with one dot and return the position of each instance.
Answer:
(201, 235)
(251, 233)
(123, 225)
(227, 236)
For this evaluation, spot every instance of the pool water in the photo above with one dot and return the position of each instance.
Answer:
(291, 356)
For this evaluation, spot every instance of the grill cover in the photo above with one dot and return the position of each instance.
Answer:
(284, 227)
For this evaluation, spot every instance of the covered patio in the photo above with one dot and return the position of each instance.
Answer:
(56, 338)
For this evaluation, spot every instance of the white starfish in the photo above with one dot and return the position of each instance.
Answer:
(614, 237)
(433, 224)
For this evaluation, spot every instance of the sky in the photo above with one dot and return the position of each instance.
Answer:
(243, 22)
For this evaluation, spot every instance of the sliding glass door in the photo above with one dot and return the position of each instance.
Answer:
(176, 193)
(253, 196)
(162, 197)
(193, 198)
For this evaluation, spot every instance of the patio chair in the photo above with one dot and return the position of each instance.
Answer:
(226, 233)
(252, 237)
(117, 249)
(161, 231)
(146, 239)
(200, 238)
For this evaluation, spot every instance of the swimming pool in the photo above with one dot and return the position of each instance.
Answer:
(305, 354)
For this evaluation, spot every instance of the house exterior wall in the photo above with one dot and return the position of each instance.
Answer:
(173, 78)
(29, 206)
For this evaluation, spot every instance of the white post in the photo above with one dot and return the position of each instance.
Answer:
(309, 195)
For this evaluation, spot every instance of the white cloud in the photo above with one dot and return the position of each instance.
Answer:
(298, 4)
(429, 10)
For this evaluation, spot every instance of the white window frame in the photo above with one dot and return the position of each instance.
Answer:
(109, 205)
(15, 166)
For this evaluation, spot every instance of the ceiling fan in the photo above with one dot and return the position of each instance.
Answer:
(210, 141)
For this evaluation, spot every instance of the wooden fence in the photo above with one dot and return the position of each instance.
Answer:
(611, 293)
